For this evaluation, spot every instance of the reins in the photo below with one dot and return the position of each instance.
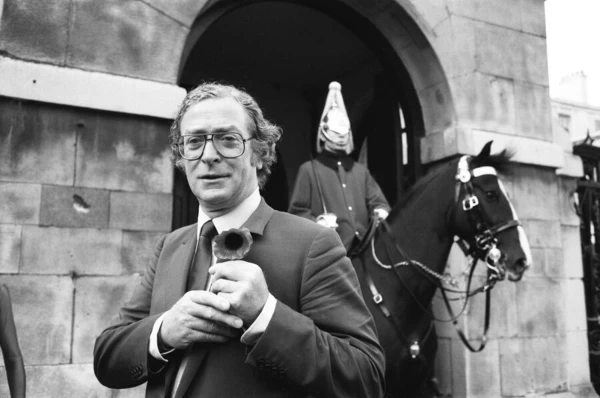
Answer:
(484, 247)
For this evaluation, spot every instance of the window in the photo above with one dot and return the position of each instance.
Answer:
(564, 121)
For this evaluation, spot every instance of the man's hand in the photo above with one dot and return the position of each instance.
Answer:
(243, 285)
(199, 317)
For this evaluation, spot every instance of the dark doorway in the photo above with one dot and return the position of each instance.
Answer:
(285, 55)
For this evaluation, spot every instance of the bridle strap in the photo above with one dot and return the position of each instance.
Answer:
(369, 235)
(378, 300)
(461, 334)
(496, 229)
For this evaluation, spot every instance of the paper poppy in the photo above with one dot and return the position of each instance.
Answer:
(232, 244)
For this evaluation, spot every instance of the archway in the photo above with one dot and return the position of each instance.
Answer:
(285, 54)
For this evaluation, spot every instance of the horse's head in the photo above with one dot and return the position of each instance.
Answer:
(485, 217)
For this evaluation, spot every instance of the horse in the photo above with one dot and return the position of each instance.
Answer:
(401, 266)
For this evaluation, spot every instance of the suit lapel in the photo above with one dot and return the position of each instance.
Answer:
(259, 219)
(171, 278)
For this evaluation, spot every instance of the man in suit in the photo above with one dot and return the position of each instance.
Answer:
(287, 321)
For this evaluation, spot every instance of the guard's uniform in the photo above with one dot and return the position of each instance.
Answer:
(348, 189)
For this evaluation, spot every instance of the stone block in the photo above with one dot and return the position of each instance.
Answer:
(511, 54)
(435, 102)
(553, 266)
(482, 379)
(540, 307)
(124, 153)
(577, 357)
(533, 17)
(572, 259)
(10, 248)
(455, 45)
(37, 142)
(433, 12)
(43, 312)
(532, 366)
(539, 259)
(460, 372)
(138, 250)
(97, 303)
(443, 366)
(484, 102)
(137, 40)
(35, 30)
(542, 234)
(505, 14)
(475, 375)
(20, 203)
(140, 212)
(533, 110)
(74, 207)
(68, 381)
(83, 251)
(184, 11)
(526, 186)
(566, 191)
(575, 314)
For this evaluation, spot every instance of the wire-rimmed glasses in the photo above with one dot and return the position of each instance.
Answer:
(228, 145)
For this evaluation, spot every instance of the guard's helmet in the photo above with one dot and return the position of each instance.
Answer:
(335, 124)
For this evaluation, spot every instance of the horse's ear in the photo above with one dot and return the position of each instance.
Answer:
(485, 151)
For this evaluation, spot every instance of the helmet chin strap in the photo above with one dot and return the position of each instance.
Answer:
(331, 146)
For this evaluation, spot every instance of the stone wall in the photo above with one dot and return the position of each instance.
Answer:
(85, 194)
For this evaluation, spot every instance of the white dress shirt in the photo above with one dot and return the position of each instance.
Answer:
(234, 219)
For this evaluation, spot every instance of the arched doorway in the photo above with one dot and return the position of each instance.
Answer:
(286, 54)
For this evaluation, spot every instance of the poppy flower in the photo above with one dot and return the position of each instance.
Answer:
(232, 244)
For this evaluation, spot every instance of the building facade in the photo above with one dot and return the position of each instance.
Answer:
(87, 91)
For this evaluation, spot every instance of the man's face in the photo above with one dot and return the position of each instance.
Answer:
(219, 183)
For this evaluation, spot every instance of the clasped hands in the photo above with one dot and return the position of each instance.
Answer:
(236, 298)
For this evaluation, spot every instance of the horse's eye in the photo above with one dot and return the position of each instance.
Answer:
(491, 195)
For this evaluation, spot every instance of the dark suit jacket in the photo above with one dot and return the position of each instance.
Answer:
(321, 340)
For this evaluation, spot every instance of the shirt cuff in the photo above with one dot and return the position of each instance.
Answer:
(258, 327)
(153, 348)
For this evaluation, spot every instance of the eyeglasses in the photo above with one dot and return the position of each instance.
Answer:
(228, 145)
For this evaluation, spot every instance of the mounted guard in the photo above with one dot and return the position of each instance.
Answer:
(333, 189)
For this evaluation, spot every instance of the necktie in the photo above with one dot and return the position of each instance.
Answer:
(196, 281)
(203, 258)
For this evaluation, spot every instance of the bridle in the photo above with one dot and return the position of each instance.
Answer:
(484, 247)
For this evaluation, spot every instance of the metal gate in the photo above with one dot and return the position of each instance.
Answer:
(588, 208)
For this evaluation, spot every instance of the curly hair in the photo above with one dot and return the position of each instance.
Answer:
(266, 134)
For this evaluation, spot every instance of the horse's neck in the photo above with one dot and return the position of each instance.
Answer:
(421, 227)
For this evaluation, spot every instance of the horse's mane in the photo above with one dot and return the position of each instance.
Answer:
(500, 161)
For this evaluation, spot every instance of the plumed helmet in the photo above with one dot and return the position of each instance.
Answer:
(335, 124)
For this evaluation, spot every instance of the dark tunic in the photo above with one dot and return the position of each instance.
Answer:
(349, 191)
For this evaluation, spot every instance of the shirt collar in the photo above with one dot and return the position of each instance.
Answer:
(235, 218)
(331, 160)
